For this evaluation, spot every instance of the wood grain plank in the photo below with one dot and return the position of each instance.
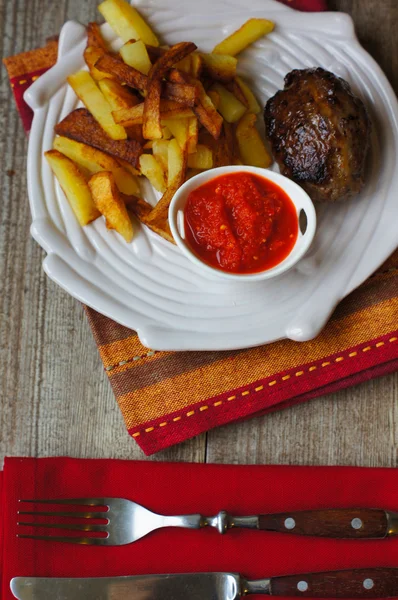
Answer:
(51, 403)
(357, 426)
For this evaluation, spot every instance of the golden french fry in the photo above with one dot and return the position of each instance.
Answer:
(94, 37)
(236, 90)
(135, 55)
(119, 96)
(177, 164)
(214, 97)
(152, 125)
(196, 65)
(204, 108)
(250, 31)
(184, 93)
(252, 148)
(220, 67)
(94, 160)
(161, 227)
(86, 89)
(127, 22)
(177, 161)
(184, 64)
(160, 152)
(193, 134)
(168, 110)
(166, 133)
(129, 167)
(201, 159)
(110, 204)
(153, 171)
(91, 55)
(122, 72)
(229, 106)
(252, 103)
(179, 129)
(74, 186)
(81, 126)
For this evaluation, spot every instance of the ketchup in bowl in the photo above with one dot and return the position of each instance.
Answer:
(240, 223)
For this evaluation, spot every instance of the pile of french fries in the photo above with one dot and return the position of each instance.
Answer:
(161, 112)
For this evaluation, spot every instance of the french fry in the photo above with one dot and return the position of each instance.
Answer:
(110, 204)
(155, 52)
(193, 134)
(95, 49)
(214, 97)
(94, 160)
(220, 67)
(179, 129)
(252, 103)
(81, 126)
(119, 96)
(201, 159)
(94, 37)
(166, 133)
(152, 125)
(86, 89)
(224, 148)
(229, 106)
(252, 148)
(184, 93)
(135, 115)
(140, 207)
(135, 55)
(129, 167)
(204, 108)
(177, 164)
(185, 64)
(153, 171)
(159, 226)
(91, 55)
(160, 152)
(122, 72)
(74, 186)
(236, 90)
(196, 65)
(250, 31)
(127, 22)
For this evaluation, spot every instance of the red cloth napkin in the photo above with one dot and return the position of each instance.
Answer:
(189, 488)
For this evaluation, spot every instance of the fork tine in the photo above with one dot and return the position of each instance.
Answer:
(74, 527)
(76, 501)
(87, 541)
(77, 515)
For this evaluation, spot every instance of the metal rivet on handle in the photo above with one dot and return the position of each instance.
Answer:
(290, 523)
(368, 584)
(302, 586)
(356, 523)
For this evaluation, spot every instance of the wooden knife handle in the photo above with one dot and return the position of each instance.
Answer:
(336, 523)
(359, 583)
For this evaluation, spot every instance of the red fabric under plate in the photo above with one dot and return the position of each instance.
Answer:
(178, 488)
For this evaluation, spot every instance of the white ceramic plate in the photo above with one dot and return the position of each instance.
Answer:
(149, 285)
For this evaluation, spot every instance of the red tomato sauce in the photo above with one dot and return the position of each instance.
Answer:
(240, 223)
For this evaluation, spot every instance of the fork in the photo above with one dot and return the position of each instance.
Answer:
(127, 522)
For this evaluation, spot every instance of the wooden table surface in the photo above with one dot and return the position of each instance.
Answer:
(55, 398)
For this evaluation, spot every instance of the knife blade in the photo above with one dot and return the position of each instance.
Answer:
(357, 583)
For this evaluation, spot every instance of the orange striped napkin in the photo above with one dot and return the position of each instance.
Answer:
(168, 397)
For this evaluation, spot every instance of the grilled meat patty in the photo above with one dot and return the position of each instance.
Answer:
(319, 133)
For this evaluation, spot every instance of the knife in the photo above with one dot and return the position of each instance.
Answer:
(358, 583)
